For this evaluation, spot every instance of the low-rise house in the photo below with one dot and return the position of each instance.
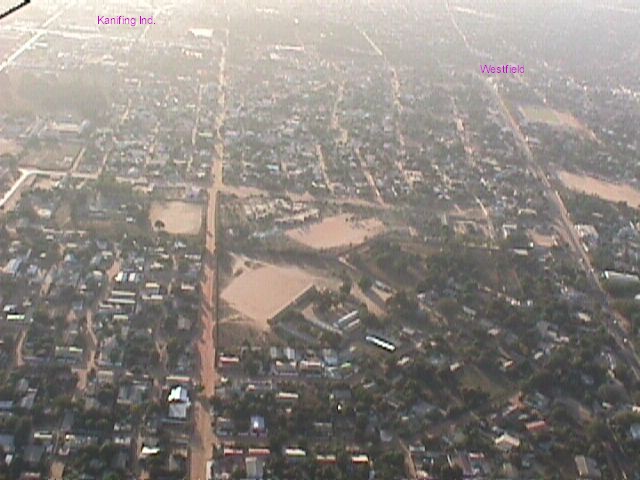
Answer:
(506, 442)
(229, 362)
(254, 467)
(179, 403)
(33, 454)
(537, 427)
(293, 454)
(258, 426)
(287, 397)
(224, 427)
(587, 468)
(285, 368)
(473, 464)
(7, 443)
(311, 367)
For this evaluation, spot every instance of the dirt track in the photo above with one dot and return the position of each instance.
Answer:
(203, 438)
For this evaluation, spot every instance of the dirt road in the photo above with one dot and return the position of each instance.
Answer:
(203, 438)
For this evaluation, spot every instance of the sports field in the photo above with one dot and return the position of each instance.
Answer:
(339, 231)
(536, 114)
(609, 191)
(179, 218)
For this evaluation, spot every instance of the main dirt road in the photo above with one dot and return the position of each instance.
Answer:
(203, 438)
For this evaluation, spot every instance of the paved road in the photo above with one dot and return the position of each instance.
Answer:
(24, 176)
(35, 37)
(27, 173)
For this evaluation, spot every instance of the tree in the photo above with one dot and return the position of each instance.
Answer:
(239, 473)
(623, 373)
(448, 472)
(369, 319)
(401, 305)
(345, 288)
(22, 431)
(324, 301)
(448, 307)
(365, 283)
(597, 432)
(389, 464)
(10, 161)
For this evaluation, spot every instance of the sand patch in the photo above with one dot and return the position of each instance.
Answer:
(259, 290)
(339, 231)
(609, 191)
(554, 118)
(9, 147)
(542, 240)
(537, 114)
(179, 218)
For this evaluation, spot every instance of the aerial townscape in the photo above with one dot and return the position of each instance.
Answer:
(319, 240)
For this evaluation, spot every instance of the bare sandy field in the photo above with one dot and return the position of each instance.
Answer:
(258, 290)
(540, 114)
(9, 146)
(179, 218)
(554, 118)
(542, 240)
(234, 332)
(612, 192)
(339, 231)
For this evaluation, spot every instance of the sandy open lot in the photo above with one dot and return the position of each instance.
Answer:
(180, 218)
(554, 118)
(542, 240)
(259, 290)
(9, 146)
(606, 190)
(339, 231)
(539, 114)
